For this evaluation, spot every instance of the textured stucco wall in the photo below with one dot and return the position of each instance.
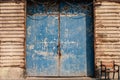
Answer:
(11, 73)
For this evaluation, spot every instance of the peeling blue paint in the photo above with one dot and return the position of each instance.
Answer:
(76, 40)
(73, 44)
(41, 59)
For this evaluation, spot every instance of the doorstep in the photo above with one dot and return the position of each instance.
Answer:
(74, 78)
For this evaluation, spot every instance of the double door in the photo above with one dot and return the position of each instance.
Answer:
(56, 43)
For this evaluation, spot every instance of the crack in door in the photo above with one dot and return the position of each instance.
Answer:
(59, 50)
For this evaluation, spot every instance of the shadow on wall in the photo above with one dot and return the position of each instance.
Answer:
(90, 42)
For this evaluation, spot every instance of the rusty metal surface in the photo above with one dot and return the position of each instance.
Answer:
(12, 26)
(107, 29)
(59, 39)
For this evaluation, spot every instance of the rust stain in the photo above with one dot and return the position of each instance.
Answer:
(107, 41)
(112, 41)
(59, 46)
(100, 25)
(101, 35)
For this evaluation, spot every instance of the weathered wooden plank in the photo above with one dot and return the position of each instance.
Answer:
(12, 15)
(3, 20)
(112, 59)
(107, 35)
(12, 39)
(11, 22)
(107, 3)
(107, 41)
(12, 61)
(105, 24)
(12, 32)
(114, 18)
(107, 49)
(115, 7)
(107, 14)
(106, 10)
(107, 54)
(107, 29)
(12, 25)
(116, 60)
(100, 25)
(107, 21)
(13, 65)
(11, 36)
(11, 29)
(11, 7)
(108, 57)
(11, 53)
(99, 59)
(11, 43)
(13, 46)
(12, 50)
(12, 3)
(98, 62)
(12, 12)
(111, 45)
(11, 18)
(117, 32)
(11, 57)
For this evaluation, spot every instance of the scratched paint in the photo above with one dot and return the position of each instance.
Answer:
(41, 46)
(76, 65)
(74, 32)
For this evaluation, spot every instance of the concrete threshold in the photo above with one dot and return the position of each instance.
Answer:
(74, 78)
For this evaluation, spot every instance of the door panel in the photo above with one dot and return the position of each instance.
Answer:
(72, 29)
(76, 37)
(42, 38)
(73, 46)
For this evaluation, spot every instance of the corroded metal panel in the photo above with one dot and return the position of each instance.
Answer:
(73, 46)
(42, 46)
(107, 23)
(59, 39)
(12, 33)
(76, 31)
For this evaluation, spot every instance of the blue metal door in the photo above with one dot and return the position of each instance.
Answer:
(75, 36)
(41, 46)
(59, 44)
(73, 46)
